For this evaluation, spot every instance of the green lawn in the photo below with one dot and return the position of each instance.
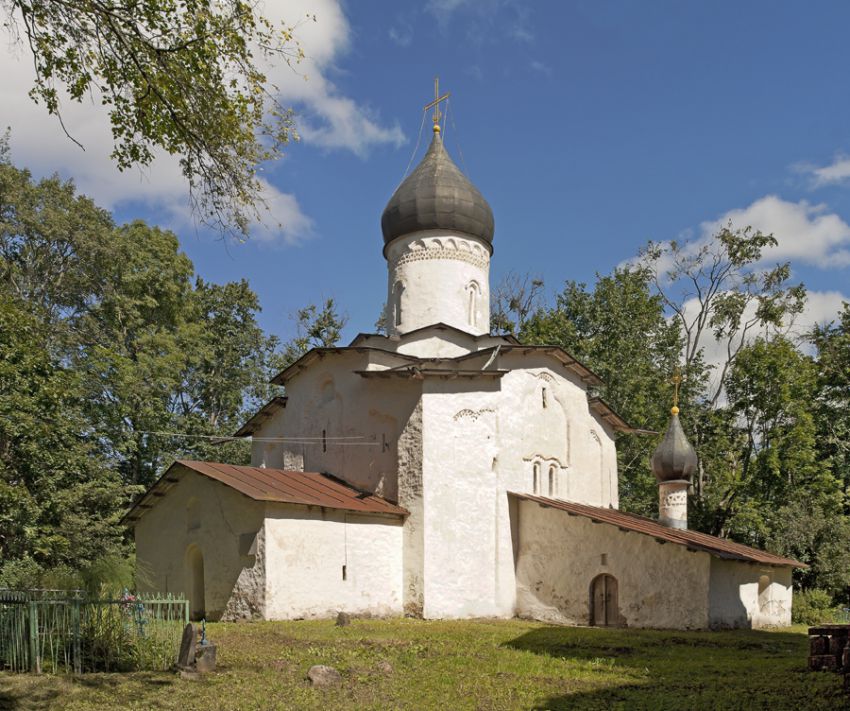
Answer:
(480, 664)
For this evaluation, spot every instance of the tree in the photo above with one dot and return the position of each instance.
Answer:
(59, 501)
(317, 327)
(832, 342)
(513, 301)
(183, 76)
(714, 289)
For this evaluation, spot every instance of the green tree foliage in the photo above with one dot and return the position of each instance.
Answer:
(115, 360)
(182, 76)
(317, 327)
(832, 343)
(59, 500)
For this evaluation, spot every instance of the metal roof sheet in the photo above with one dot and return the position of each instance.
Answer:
(275, 485)
(694, 540)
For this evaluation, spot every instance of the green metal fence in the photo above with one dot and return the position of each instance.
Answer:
(61, 631)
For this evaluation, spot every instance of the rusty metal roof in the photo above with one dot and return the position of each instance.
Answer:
(276, 485)
(694, 540)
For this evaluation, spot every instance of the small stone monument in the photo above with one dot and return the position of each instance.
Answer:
(197, 656)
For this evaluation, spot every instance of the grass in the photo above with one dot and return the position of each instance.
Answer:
(451, 665)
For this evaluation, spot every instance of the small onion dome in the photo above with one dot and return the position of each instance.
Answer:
(674, 458)
(437, 196)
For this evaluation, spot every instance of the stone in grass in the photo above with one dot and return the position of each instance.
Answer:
(186, 658)
(384, 667)
(205, 658)
(321, 675)
(343, 619)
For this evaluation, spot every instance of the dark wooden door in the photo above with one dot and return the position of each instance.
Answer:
(604, 601)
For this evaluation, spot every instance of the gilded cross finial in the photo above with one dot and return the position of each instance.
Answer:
(676, 381)
(436, 104)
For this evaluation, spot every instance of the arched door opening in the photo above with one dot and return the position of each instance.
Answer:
(195, 577)
(604, 605)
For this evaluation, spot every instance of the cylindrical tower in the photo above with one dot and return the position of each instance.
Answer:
(438, 235)
(673, 463)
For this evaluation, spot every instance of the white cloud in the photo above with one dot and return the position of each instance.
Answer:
(327, 118)
(540, 67)
(806, 233)
(402, 34)
(836, 172)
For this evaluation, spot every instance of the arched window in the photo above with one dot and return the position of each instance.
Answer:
(473, 294)
(536, 478)
(398, 290)
(553, 481)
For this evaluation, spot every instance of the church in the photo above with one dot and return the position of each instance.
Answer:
(441, 471)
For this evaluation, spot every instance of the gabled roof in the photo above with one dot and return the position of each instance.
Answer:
(569, 362)
(260, 416)
(612, 417)
(693, 540)
(275, 485)
(318, 353)
(439, 326)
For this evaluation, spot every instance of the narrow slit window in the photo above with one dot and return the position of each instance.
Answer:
(324, 440)
(345, 572)
(553, 482)
(536, 479)
(543, 396)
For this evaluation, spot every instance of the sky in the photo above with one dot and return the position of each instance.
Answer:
(590, 126)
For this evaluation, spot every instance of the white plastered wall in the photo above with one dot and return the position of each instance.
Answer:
(460, 494)
(481, 439)
(227, 528)
(749, 595)
(660, 585)
(438, 277)
(361, 419)
(306, 551)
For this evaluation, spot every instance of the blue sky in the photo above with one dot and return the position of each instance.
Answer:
(590, 127)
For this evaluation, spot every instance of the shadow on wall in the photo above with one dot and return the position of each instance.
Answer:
(663, 669)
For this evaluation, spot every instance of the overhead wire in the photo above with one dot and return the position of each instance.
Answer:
(306, 439)
(454, 128)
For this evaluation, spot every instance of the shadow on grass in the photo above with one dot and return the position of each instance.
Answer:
(652, 669)
(26, 692)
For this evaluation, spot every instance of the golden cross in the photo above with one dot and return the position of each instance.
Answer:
(676, 380)
(436, 104)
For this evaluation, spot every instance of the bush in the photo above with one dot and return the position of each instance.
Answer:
(813, 607)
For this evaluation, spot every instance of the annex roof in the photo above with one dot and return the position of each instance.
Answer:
(693, 540)
(275, 485)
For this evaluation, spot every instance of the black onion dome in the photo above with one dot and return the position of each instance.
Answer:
(674, 458)
(437, 196)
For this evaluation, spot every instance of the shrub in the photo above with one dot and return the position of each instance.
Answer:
(812, 607)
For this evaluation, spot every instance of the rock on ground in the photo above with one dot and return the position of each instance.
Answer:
(321, 675)
(343, 619)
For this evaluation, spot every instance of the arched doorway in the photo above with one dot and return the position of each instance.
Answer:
(195, 577)
(604, 606)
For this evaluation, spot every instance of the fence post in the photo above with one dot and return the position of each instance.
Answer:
(75, 645)
(35, 657)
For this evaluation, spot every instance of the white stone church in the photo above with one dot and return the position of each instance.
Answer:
(443, 472)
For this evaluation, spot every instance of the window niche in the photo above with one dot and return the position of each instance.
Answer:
(473, 295)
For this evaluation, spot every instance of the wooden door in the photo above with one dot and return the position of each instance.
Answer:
(603, 596)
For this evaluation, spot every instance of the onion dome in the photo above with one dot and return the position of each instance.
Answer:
(675, 458)
(437, 196)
